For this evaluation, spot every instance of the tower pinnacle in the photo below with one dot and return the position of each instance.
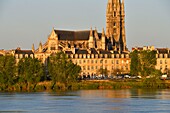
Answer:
(115, 24)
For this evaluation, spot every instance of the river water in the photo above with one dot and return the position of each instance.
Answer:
(88, 101)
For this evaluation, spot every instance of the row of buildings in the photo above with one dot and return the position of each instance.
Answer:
(93, 50)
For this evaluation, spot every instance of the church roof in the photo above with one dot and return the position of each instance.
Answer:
(82, 52)
(74, 35)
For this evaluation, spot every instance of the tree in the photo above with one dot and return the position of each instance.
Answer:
(148, 62)
(103, 72)
(116, 72)
(30, 72)
(7, 70)
(63, 70)
(135, 63)
(143, 63)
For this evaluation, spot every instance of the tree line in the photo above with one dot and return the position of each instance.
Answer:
(28, 72)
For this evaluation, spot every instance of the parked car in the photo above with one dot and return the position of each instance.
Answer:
(163, 77)
(127, 76)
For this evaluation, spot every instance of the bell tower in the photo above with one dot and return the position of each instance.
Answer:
(115, 24)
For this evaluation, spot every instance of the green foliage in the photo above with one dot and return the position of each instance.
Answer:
(103, 71)
(148, 62)
(63, 70)
(7, 70)
(143, 63)
(135, 63)
(153, 82)
(30, 71)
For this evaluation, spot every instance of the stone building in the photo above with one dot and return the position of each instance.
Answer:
(115, 24)
(90, 49)
(19, 54)
(162, 57)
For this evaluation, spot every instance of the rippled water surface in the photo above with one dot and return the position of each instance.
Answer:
(88, 101)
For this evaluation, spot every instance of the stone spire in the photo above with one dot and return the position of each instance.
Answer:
(115, 24)
(91, 39)
(33, 48)
(40, 47)
(103, 40)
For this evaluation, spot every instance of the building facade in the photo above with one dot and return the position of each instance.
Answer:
(162, 57)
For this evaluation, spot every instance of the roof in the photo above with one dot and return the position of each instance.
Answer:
(23, 51)
(162, 50)
(104, 51)
(82, 52)
(68, 52)
(74, 35)
(93, 51)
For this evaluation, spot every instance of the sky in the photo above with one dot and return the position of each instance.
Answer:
(24, 22)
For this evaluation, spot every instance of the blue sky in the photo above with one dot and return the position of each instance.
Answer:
(24, 22)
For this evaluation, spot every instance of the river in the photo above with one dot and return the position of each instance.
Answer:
(88, 101)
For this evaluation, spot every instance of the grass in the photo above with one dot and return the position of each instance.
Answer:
(98, 84)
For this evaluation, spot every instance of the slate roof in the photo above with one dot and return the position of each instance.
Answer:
(74, 35)
(162, 50)
(104, 51)
(93, 51)
(23, 51)
(82, 52)
(68, 52)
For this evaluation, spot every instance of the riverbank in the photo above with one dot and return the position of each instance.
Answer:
(91, 84)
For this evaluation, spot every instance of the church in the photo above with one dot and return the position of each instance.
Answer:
(90, 49)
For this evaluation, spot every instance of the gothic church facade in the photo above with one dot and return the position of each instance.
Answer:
(89, 48)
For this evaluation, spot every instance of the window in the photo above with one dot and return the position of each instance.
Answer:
(105, 61)
(84, 68)
(126, 67)
(96, 68)
(114, 13)
(92, 61)
(165, 61)
(166, 67)
(112, 62)
(96, 61)
(88, 67)
(84, 61)
(160, 67)
(160, 61)
(117, 61)
(92, 67)
(114, 23)
(122, 68)
(101, 61)
(79, 61)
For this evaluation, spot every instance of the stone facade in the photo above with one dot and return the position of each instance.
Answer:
(85, 48)
(115, 24)
(162, 57)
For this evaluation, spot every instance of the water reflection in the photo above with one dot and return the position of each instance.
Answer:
(87, 101)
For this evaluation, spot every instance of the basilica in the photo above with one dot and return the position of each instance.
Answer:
(90, 49)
